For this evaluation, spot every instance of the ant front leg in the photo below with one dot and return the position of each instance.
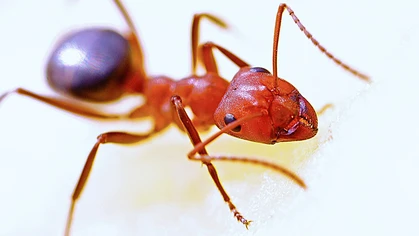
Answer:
(195, 139)
(109, 137)
(205, 158)
(324, 108)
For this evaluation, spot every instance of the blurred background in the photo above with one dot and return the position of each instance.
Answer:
(362, 182)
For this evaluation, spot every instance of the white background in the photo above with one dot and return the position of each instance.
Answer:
(361, 183)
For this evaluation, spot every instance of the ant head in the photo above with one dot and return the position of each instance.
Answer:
(266, 111)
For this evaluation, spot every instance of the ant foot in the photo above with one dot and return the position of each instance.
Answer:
(240, 218)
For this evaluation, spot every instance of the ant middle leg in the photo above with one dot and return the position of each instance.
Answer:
(195, 36)
(208, 57)
(104, 138)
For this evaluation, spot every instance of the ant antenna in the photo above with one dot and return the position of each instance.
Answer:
(281, 9)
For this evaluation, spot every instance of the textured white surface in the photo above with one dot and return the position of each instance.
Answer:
(361, 183)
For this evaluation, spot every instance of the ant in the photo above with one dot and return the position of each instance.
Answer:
(101, 65)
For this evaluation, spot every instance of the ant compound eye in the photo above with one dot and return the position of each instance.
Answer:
(230, 118)
(259, 69)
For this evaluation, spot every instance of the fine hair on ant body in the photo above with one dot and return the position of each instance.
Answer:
(256, 105)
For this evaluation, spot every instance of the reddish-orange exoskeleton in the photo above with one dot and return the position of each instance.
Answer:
(256, 105)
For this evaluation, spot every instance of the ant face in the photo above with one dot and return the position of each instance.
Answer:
(285, 114)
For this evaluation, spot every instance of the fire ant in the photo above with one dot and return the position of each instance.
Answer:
(100, 65)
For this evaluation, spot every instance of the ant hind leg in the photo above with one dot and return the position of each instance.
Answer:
(62, 104)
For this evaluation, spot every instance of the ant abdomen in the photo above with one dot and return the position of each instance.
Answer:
(91, 64)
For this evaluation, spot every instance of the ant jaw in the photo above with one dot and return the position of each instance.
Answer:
(308, 117)
(301, 130)
(303, 126)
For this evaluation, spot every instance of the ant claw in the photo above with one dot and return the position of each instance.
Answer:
(247, 223)
(241, 219)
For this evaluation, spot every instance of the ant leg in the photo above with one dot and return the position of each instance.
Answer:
(77, 109)
(135, 82)
(281, 10)
(199, 147)
(134, 39)
(128, 20)
(320, 112)
(208, 57)
(62, 104)
(195, 34)
(326, 107)
(109, 137)
(195, 139)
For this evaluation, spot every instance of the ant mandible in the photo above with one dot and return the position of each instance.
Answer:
(256, 105)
